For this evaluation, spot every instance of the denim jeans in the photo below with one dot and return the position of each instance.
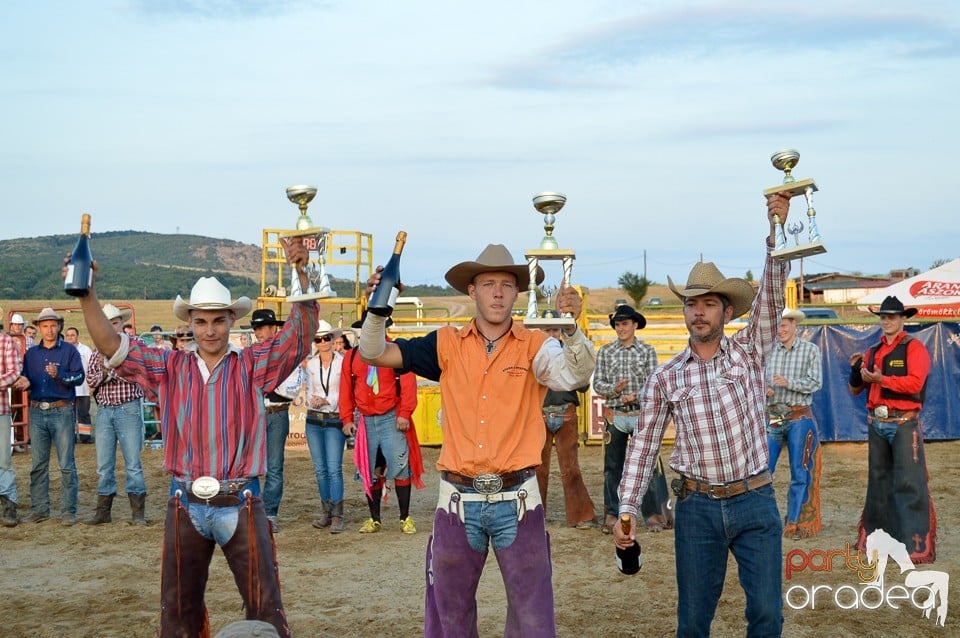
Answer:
(278, 427)
(382, 432)
(121, 424)
(707, 530)
(214, 523)
(804, 473)
(326, 443)
(614, 455)
(8, 477)
(54, 427)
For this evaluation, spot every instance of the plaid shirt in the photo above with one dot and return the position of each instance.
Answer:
(10, 363)
(800, 365)
(108, 387)
(213, 420)
(616, 362)
(717, 406)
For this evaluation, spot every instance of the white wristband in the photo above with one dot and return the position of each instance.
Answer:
(373, 335)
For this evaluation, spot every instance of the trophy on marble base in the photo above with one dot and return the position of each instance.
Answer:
(548, 204)
(314, 239)
(785, 161)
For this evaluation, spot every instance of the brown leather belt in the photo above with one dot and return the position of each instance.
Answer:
(792, 414)
(727, 490)
(270, 409)
(231, 493)
(489, 483)
(50, 405)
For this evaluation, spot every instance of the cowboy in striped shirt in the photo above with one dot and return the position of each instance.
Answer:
(211, 398)
(714, 393)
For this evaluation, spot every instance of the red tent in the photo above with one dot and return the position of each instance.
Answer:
(935, 294)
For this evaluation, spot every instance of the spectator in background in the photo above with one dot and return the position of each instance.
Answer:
(31, 331)
(129, 329)
(156, 332)
(52, 371)
(341, 344)
(10, 364)
(84, 423)
(119, 420)
(182, 337)
(17, 332)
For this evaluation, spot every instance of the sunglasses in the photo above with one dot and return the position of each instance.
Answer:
(185, 335)
(323, 338)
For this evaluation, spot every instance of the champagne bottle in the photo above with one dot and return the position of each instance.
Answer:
(629, 560)
(80, 268)
(385, 294)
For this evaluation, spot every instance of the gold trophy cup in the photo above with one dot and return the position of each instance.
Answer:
(315, 240)
(785, 161)
(548, 204)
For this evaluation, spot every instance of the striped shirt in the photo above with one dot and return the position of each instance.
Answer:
(108, 387)
(213, 420)
(717, 406)
(10, 363)
(800, 366)
(616, 362)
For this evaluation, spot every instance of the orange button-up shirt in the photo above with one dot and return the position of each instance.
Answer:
(492, 416)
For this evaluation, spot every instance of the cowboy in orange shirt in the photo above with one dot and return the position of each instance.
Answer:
(493, 374)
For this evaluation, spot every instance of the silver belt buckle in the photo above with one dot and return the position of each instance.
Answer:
(205, 487)
(44, 405)
(881, 412)
(488, 483)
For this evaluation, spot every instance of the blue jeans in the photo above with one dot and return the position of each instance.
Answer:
(54, 427)
(278, 427)
(707, 530)
(382, 432)
(214, 523)
(121, 424)
(801, 438)
(8, 477)
(326, 443)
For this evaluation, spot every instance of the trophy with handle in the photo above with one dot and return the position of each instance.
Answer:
(548, 204)
(812, 244)
(315, 240)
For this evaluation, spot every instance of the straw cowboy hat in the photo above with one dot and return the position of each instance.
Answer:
(210, 294)
(48, 314)
(796, 315)
(893, 306)
(494, 258)
(627, 312)
(324, 328)
(112, 312)
(706, 278)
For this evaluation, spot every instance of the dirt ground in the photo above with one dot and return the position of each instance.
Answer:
(104, 581)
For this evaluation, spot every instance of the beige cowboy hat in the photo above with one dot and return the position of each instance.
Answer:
(324, 328)
(796, 315)
(209, 294)
(706, 278)
(112, 312)
(48, 314)
(494, 258)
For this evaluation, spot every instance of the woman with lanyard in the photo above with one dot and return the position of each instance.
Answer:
(325, 438)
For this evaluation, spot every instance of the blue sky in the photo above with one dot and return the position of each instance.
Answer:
(656, 119)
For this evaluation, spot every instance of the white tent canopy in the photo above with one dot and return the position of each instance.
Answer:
(935, 293)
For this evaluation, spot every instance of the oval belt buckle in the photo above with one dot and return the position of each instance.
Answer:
(488, 483)
(205, 487)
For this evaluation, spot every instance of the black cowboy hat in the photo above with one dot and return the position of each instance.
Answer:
(627, 312)
(359, 322)
(264, 317)
(893, 306)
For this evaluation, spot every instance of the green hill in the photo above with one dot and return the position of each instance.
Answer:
(139, 265)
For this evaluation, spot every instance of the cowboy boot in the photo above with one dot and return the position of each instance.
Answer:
(102, 515)
(336, 517)
(252, 557)
(324, 520)
(9, 512)
(137, 505)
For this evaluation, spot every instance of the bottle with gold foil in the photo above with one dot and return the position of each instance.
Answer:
(385, 295)
(80, 269)
(629, 560)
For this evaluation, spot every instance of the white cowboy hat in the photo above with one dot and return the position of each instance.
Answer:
(112, 312)
(324, 328)
(796, 315)
(210, 294)
(494, 258)
(706, 278)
